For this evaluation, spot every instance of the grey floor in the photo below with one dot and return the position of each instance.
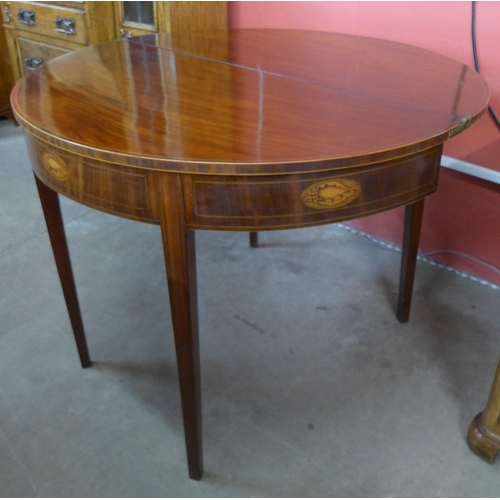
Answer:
(311, 387)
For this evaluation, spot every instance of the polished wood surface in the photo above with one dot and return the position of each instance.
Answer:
(44, 15)
(484, 431)
(243, 130)
(270, 97)
(180, 261)
(411, 237)
(34, 38)
(41, 31)
(53, 218)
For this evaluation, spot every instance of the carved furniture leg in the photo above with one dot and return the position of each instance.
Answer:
(484, 431)
(180, 259)
(53, 218)
(254, 239)
(411, 238)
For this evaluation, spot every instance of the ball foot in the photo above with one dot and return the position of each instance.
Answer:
(483, 442)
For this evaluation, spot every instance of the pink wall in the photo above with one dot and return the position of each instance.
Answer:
(464, 215)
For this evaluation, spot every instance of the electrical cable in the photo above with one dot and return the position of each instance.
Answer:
(476, 62)
(465, 255)
(424, 257)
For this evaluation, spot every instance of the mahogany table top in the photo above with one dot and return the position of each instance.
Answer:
(249, 101)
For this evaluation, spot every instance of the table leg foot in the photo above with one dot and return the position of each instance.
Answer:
(254, 239)
(484, 443)
(411, 238)
(484, 431)
(55, 227)
(180, 260)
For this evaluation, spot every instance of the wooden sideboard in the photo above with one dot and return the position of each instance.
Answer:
(36, 32)
(143, 18)
(6, 76)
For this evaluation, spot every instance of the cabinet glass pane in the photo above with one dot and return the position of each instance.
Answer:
(139, 12)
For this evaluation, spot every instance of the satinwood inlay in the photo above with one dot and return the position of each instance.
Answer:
(55, 166)
(331, 193)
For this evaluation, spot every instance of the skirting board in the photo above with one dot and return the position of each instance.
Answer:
(487, 174)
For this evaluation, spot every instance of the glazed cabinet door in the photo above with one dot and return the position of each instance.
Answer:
(142, 18)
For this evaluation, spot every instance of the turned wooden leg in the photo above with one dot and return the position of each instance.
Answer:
(53, 218)
(180, 259)
(254, 239)
(411, 238)
(484, 431)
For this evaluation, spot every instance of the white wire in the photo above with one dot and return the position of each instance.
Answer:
(467, 256)
(424, 257)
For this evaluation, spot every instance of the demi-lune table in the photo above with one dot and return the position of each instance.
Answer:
(244, 130)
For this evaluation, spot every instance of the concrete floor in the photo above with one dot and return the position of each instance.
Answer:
(311, 387)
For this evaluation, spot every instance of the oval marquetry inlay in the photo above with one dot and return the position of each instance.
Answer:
(55, 166)
(331, 193)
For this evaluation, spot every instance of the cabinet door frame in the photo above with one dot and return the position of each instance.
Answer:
(161, 12)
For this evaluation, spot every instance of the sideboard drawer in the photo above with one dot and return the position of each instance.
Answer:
(33, 54)
(57, 22)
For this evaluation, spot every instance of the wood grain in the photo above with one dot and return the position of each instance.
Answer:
(275, 202)
(45, 17)
(411, 237)
(52, 213)
(243, 130)
(6, 77)
(237, 116)
(37, 49)
(114, 189)
(484, 432)
(180, 261)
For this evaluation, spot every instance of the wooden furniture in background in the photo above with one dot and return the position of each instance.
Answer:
(484, 431)
(6, 77)
(41, 31)
(36, 32)
(246, 130)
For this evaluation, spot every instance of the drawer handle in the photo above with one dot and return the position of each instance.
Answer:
(7, 15)
(32, 63)
(65, 25)
(26, 17)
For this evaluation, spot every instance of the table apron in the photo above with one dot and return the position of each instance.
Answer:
(240, 202)
(116, 189)
(299, 200)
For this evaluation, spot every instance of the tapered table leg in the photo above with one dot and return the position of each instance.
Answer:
(484, 431)
(53, 218)
(180, 259)
(254, 239)
(411, 238)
